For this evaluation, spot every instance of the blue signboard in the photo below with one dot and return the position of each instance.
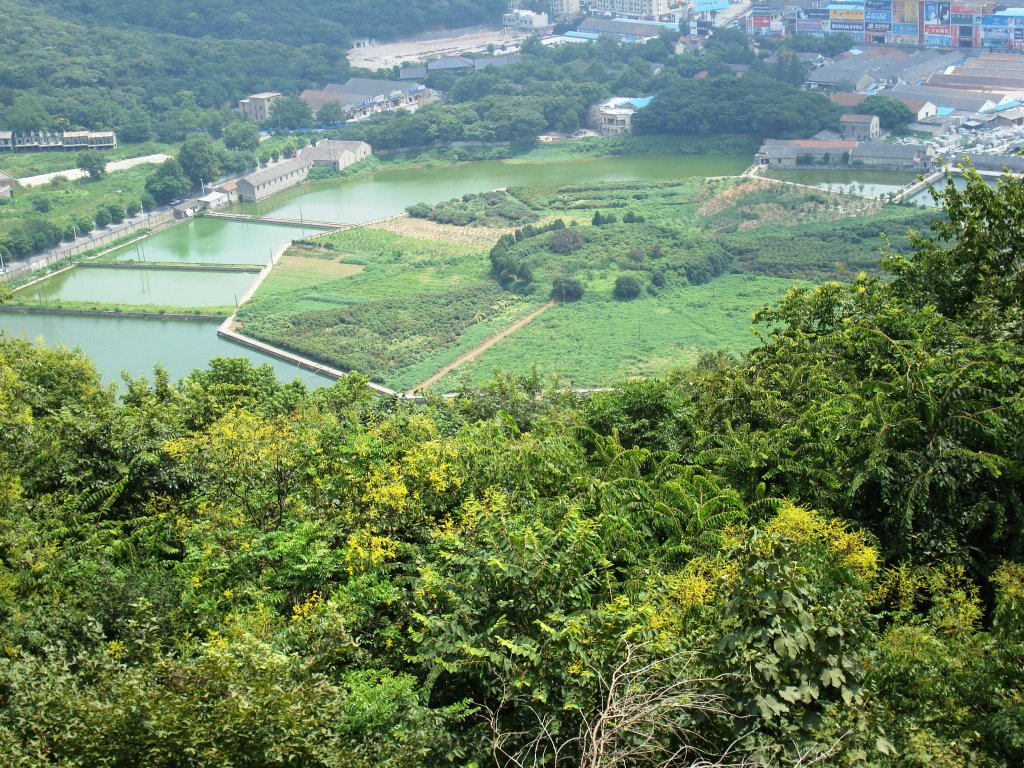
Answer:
(847, 26)
(705, 6)
(995, 21)
(874, 26)
(939, 41)
(885, 16)
(904, 29)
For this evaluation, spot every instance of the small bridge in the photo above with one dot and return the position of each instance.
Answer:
(310, 223)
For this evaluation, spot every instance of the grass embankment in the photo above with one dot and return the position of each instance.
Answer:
(23, 163)
(420, 303)
(64, 203)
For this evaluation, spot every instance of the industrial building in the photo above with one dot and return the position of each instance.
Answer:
(268, 181)
(860, 127)
(635, 9)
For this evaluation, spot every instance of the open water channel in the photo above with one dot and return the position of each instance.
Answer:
(135, 345)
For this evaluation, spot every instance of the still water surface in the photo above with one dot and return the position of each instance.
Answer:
(212, 241)
(115, 344)
(159, 287)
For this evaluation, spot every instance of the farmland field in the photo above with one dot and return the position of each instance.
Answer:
(647, 276)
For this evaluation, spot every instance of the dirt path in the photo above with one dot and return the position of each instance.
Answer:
(487, 343)
(76, 173)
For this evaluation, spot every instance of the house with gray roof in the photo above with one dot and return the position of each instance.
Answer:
(275, 178)
(947, 98)
(901, 157)
(336, 154)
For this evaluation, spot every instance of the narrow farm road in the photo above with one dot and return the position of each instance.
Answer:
(487, 343)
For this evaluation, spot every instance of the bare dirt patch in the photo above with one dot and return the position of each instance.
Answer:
(294, 264)
(387, 55)
(424, 229)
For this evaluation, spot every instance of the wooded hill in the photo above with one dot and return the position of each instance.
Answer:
(811, 555)
(105, 64)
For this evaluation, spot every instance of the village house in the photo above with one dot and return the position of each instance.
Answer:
(525, 22)
(259, 106)
(614, 117)
(860, 127)
(337, 154)
(782, 153)
(74, 140)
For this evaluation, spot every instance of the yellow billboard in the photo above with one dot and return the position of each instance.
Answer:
(846, 14)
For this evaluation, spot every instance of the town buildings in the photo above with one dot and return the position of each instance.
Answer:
(637, 9)
(360, 97)
(563, 10)
(964, 25)
(525, 22)
(46, 140)
(259, 106)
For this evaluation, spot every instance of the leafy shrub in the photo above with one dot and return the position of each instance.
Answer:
(627, 287)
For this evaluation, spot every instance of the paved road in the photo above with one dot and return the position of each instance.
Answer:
(76, 173)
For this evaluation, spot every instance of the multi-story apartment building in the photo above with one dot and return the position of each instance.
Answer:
(639, 9)
(258, 106)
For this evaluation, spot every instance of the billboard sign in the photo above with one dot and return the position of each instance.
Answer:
(847, 26)
(936, 13)
(706, 6)
(846, 14)
(885, 16)
(874, 26)
(938, 41)
(907, 30)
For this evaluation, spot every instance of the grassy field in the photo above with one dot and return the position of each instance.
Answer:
(64, 202)
(21, 164)
(598, 341)
(394, 307)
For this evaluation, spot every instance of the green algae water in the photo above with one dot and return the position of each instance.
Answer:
(157, 287)
(117, 344)
(212, 241)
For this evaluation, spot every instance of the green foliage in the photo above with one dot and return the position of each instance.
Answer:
(892, 114)
(488, 209)
(627, 287)
(93, 162)
(168, 181)
(243, 134)
(201, 159)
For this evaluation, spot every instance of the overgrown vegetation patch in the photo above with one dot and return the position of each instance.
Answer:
(489, 209)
